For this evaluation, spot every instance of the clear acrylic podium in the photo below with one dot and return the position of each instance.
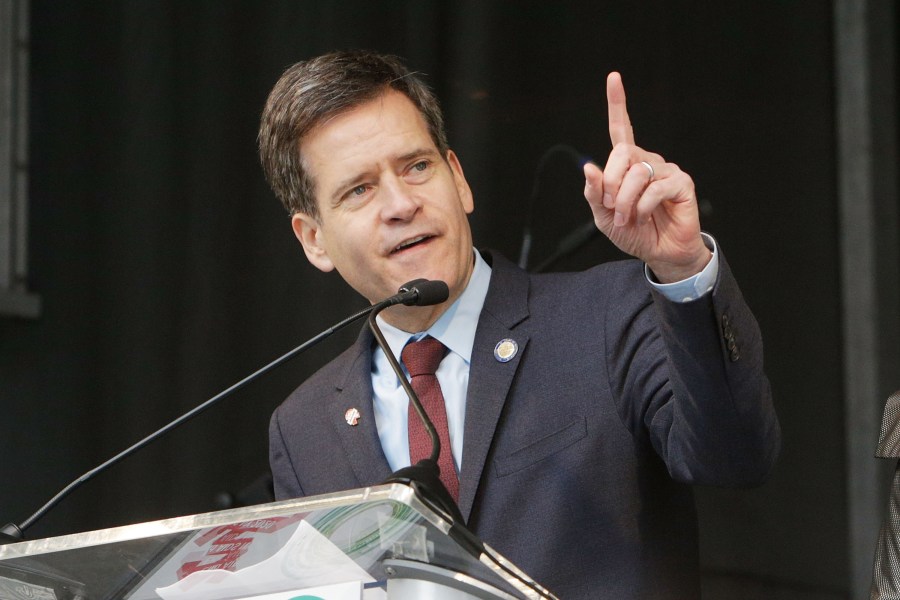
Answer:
(374, 543)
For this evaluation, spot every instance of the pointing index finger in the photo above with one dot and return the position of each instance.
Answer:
(620, 130)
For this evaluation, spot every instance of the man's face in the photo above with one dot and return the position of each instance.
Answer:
(391, 208)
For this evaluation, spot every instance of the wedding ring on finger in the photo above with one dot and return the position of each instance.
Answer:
(649, 169)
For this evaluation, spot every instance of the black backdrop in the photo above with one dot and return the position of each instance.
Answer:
(168, 270)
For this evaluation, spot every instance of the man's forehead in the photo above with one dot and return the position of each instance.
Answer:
(391, 109)
(388, 127)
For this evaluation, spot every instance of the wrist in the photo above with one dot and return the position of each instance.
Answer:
(673, 272)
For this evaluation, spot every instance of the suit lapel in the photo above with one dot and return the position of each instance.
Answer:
(505, 306)
(354, 390)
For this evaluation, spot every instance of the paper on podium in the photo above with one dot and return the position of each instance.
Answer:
(308, 559)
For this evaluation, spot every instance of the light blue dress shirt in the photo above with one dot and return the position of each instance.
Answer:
(456, 330)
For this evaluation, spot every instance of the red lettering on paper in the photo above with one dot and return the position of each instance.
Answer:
(229, 542)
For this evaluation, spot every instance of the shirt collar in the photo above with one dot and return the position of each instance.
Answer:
(456, 327)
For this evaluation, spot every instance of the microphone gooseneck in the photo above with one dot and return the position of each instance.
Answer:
(424, 476)
(419, 292)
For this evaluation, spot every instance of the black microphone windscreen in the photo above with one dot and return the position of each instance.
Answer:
(430, 292)
(410, 286)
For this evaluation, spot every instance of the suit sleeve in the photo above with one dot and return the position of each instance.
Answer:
(689, 377)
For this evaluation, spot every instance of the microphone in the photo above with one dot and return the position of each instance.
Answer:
(424, 476)
(419, 292)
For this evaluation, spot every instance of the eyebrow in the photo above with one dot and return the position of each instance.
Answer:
(418, 152)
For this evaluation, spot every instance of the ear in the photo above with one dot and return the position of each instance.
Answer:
(462, 186)
(309, 233)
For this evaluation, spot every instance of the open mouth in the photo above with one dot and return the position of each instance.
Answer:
(410, 243)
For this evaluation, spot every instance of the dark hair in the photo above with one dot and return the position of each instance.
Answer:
(312, 91)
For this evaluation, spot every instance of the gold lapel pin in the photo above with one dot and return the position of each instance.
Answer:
(506, 350)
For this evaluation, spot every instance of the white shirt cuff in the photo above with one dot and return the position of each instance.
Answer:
(692, 288)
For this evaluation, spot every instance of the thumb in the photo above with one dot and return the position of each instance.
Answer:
(593, 185)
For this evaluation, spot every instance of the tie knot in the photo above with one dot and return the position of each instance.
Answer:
(423, 357)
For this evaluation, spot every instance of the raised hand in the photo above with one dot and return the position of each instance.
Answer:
(646, 206)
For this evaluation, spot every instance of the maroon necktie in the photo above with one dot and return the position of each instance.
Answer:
(422, 359)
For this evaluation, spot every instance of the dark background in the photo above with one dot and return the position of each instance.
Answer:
(167, 269)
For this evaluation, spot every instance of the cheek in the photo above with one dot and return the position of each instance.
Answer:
(357, 248)
(342, 236)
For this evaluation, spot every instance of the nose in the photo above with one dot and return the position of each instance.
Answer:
(398, 202)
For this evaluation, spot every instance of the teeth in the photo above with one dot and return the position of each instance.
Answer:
(408, 243)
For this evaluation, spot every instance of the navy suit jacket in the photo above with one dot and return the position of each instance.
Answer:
(579, 454)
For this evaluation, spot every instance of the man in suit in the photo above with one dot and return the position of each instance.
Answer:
(579, 408)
